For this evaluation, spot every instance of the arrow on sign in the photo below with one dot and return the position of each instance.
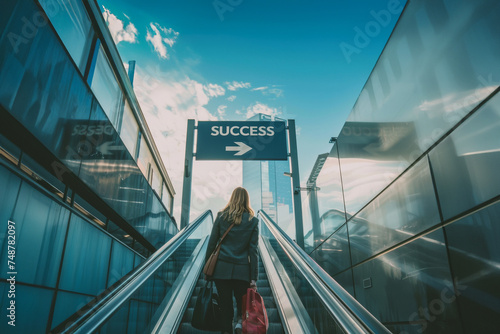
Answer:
(106, 148)
(241, 149)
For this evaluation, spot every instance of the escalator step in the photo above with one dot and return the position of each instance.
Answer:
(186, 328)
(272, 315)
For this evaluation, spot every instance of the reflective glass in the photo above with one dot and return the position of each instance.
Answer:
(345, 280)
(465, 164)
(333, 254)
(137, 312)
(129, 129)
(107, 90)
(86, 258)
(9, 183)
(40, 230)
(156, 179)
(475, 261)
(32, 309)
(122, 262)
(73, 26)
(145, 159)
(436, 67)
(166, 198)
(411, 284)
(404, 209)
(67, 304)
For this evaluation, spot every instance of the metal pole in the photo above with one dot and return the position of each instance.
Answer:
(297, 200)
(188, 172)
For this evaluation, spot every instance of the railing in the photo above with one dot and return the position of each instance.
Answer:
(132, 303)
(331, 308)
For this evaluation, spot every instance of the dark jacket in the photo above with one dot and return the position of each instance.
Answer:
(238, 253)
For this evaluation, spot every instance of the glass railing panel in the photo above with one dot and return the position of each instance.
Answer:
(140, 297)
(320, 317)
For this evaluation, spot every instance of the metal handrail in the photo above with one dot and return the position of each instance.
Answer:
(95, 315)
(351, 316)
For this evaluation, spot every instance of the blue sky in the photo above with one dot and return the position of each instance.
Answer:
(228, 59)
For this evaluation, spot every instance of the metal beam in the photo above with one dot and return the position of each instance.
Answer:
(297, 199)
(188, 175)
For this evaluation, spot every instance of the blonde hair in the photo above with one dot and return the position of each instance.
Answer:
(238, 204)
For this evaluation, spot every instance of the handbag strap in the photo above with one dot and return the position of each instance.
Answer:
(219, 244)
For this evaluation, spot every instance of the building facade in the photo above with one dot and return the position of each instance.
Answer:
(85, 196)
(405, 213)
(269, 188)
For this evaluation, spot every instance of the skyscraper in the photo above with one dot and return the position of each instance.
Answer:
(269, 188)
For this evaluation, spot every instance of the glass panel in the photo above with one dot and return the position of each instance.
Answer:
(475, 260)
(333, 255)
(411, 284)
(436, 67)
(86, 258)
(72, 23)
(404, 209)
(138, 310)
(345, 280)
(145, 159)
(67, 304)
(166, 198)
(129, 130)
(47, 180)
(156, 179)
(122, 262)
(106, 89)
(9, 183)
(40, 230)
(465, 164)
(322, 321)
(32, 309)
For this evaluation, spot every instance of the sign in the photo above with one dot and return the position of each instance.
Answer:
(246, 140)
(91, 140)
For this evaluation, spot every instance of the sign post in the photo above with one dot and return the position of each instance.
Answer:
(242, 140)
(297, 198)
(188, 174)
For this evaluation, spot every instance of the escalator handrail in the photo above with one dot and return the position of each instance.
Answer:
(352, 307)
(96, 314)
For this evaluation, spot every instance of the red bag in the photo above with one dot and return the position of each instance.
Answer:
(254, 314)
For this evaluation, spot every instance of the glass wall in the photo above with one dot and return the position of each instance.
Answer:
(440, 62)
(418, 156)
(43, 90)
(53, 240)
(72, 23)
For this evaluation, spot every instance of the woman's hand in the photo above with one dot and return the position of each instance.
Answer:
(253, 285)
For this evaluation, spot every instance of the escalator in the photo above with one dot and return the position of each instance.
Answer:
(159, 295)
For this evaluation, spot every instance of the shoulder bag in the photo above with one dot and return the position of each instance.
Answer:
(209, 267)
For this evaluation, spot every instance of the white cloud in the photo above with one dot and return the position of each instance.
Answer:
(117, 29)
(260, 88)
(260, 108)
(231, 98)
(214, 90)
(222, 110)
(161, 38)
(237, 85)
(269, 91)
(168, 100)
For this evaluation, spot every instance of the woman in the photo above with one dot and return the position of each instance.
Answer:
(237, 266)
